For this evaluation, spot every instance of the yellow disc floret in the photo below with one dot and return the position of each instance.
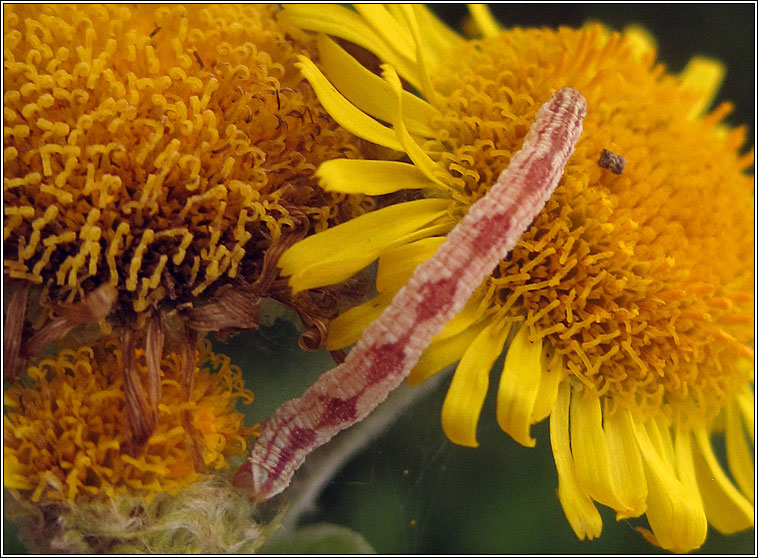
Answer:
(67, 436)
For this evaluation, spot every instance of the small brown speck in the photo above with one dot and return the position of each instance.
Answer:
(612, 162)
(155, 31)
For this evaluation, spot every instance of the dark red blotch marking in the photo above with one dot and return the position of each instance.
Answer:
(298, 439)
(337, 411)
(437, 296)
(384, 360)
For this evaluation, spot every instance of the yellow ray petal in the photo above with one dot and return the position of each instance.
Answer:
(431, 170)
(373, 178)
(739, 454)
(335, 20)
(705, 76)
(674, 512)
(449, 344)
(369, 92)
(444, 352)
(746, 404)
(464, 399)
(342, 22)
(627, 470)
(392, 30)
(443, 226)
(314, 262)
(348, 327)
(484, 20)
(396, 265)
(590, 449)
(581, 513)
(727, 510)
(519, 385)
(438, 36)
(470, 314)
(346, 114)
(553, 372)
(659, 435)
(423, 54)
(685, 465)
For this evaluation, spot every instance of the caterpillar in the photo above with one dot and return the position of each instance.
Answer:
(440, 287)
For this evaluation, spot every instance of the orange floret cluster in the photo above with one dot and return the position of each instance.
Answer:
(159, 149)
(67, 436)
(643, 280)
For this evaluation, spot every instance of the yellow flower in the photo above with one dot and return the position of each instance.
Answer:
(157, 160)
(67, 437)
(158, 150)
(626, 308)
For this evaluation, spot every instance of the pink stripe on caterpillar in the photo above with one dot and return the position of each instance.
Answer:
(440, 287)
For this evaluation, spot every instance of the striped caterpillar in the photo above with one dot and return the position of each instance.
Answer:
(391, 346)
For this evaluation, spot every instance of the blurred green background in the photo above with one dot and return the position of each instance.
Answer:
(412, 491)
